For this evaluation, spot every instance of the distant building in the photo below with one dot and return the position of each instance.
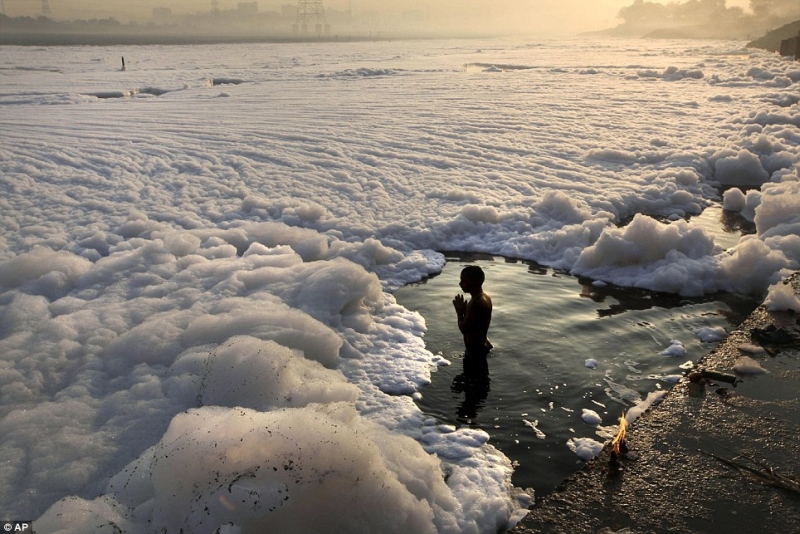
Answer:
(162, 14)
(247, 9)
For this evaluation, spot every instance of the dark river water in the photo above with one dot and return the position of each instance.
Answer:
(545, 326)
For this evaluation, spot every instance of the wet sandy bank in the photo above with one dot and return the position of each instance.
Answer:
(719, 461)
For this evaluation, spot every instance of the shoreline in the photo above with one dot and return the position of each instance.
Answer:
(694, 456)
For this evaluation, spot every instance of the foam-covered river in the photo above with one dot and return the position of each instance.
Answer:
(198, 256)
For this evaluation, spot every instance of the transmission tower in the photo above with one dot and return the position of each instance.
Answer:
(311, 12)
(46, 10)
(2, 8)
(215, 7)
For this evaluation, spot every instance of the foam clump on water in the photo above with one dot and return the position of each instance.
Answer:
(745, 365)
(677, 257)
(217, 466)
(675, 349)
(711, 334)
(751, 349)
(771, 254)
(739, 168)
(646, 253)
(588, 448)
(782, 297)
(733, 199)
(591, 417)
(44, 271)
(634, 412)
(585, 448)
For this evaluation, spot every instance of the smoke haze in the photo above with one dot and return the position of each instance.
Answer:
(544, 17)
(208, 19)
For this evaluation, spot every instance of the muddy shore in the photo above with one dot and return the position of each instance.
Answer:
(718, 458)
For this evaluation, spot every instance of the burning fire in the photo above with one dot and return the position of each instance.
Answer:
(619, 439)
(618, 448)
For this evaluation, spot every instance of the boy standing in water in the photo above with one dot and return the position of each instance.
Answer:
(473, 321)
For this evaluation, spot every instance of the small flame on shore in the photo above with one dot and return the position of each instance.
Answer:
(618, 448)
(619, 439)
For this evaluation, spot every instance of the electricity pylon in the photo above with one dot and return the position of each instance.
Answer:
(46, 10)
(311, 11)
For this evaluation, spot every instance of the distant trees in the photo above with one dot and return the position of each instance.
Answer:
(44, 23)
(26, 22)
(645, 14)
(641, 11)
(785, 9)
(691, 11)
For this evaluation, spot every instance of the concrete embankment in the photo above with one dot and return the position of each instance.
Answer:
(713, 457)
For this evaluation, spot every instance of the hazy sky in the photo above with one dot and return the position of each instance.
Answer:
(537, 15)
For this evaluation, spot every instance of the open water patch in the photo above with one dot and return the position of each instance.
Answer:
(226, 81)
(562, 345)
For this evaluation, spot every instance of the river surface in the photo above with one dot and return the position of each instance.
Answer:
(546, 325)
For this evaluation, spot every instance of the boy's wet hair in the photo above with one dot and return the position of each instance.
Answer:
(474, 273)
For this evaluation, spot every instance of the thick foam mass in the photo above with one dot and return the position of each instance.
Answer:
(251, 468)
(195, 291)
(674, 257)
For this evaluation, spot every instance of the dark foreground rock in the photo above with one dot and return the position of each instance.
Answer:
(721, 458)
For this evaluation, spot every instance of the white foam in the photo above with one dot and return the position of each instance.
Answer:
(585, 448)
(782, 297)
(733, 199)
(591, 417)
(711, 334)
(248, 468)
(745, 365)
(675, 349)
(150, 243)
(633, 413)
(534, 425)
(751, 349)
(742, 168)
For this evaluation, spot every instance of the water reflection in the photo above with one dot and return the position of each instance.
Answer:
(474, 383)
(628, 299)
(732, 223)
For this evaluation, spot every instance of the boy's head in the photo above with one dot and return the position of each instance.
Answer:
(472, 278)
